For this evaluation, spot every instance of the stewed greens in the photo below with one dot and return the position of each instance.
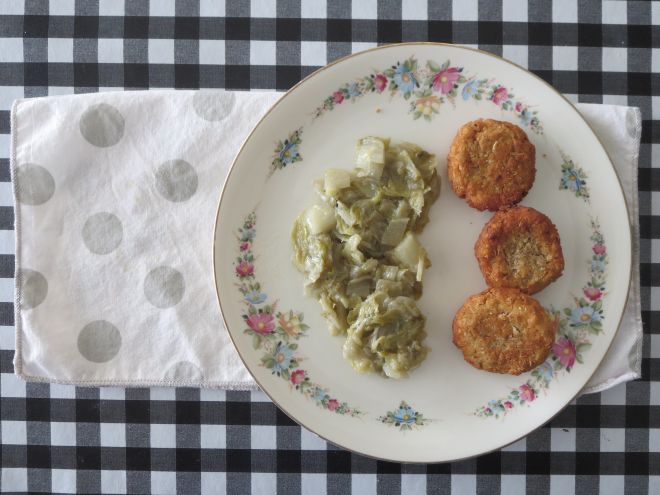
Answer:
(358, 250)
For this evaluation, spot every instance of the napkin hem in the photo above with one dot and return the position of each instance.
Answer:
(610, 382)
(241, 386)
(634, 162)
(18, 353)
(637, 243)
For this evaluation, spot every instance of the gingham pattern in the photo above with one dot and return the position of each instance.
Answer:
(65, 439)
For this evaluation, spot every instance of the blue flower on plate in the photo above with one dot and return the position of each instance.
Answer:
(318, 394)
(582, 316)
(255, 297)
(289, 153)
(282, 355)
(545, 371)
(525, 116)
(405, 415)
(404, 79)
(248, 235)
(571, 180)
(470, 89)
(598, 265)
(496, 406)
(353, 90)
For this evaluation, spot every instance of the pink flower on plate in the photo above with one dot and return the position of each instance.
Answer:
(519, 107)
(500, 95)
(508, 404)
(337, 97)
(245, 246)
(380, 82)
(297, 377)
(599, 249)
(526, 393)
(333, 404)
(564, 349)
(444, 80)
(593, 293)
(262, 323)
(244, 269)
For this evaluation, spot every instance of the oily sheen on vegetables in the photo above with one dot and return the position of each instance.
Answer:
(360, 256)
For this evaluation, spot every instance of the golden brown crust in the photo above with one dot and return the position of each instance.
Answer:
(520, 248)
(503, 331)
(491, 164)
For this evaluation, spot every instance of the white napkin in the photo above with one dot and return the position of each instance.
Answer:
(115, 198)
(620, 129)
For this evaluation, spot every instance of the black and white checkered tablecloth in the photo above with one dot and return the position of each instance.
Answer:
(66, 439)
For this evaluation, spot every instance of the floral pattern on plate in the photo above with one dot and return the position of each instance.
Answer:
(573, 178)
(428, 87)
(577, 324)
(404, 418)
(276, 333)
(287, 151)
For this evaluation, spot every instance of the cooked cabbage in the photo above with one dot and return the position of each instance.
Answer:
(335, 180)
(358, 250)
(320, 219)
(370, 157)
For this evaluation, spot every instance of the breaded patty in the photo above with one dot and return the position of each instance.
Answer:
(504, 331)
(491, 164)
(519, 248)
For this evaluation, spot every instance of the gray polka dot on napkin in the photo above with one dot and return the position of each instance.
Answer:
(176, 180)
(164, 287)
(34, 288)
(35, 185)
(99, 341)
(102, 125)
(213, 106)
(102, 233)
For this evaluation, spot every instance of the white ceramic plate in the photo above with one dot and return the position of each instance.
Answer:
(446, 409)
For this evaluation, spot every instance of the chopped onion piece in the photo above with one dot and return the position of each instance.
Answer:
(320, 218)
(408, 251)
(371, 157)
(336, 180)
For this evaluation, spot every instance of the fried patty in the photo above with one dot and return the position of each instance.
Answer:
(503, 331)
(491, 164)
(519, 248)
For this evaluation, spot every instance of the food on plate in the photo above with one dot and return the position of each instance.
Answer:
(358, 250)
(519, 248)
(491, 164)
(504, 331)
